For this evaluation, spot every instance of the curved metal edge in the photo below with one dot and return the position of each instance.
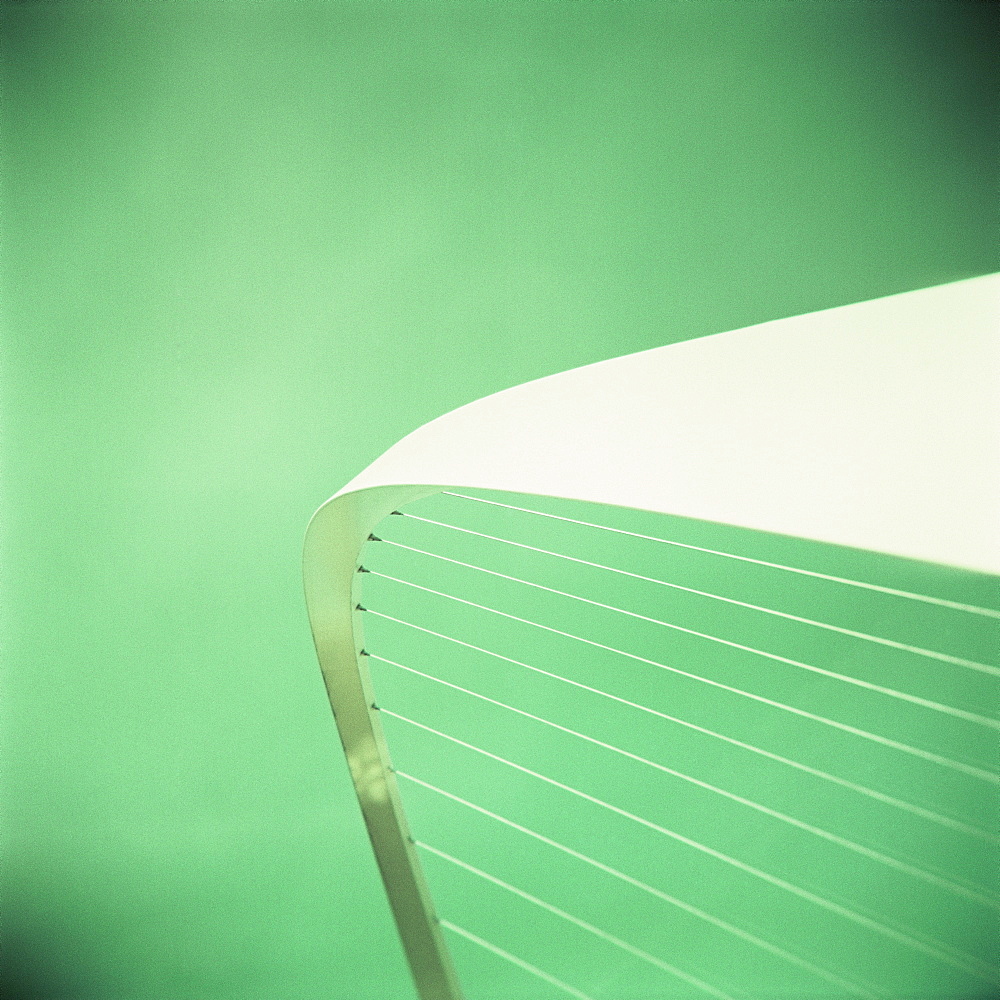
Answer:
(873, 425)
(334, 539)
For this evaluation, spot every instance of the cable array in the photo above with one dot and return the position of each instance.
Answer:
(453, 559)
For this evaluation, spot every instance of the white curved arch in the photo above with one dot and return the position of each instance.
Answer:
(873, 425)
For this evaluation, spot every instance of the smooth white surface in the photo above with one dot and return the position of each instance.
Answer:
(873, 425)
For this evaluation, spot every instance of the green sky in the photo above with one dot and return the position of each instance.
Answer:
(246, 247)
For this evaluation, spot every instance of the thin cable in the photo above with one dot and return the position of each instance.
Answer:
(910, 595)
(583, 924)
(514, 960)
(657, 893)
(927, 755)
(913, 699)
(798, 765)
(873, 855)
(959, 661)
(965, 962)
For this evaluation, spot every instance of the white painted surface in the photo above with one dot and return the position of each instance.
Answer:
(873, 425)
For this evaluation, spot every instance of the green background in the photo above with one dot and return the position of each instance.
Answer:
(246, 248)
